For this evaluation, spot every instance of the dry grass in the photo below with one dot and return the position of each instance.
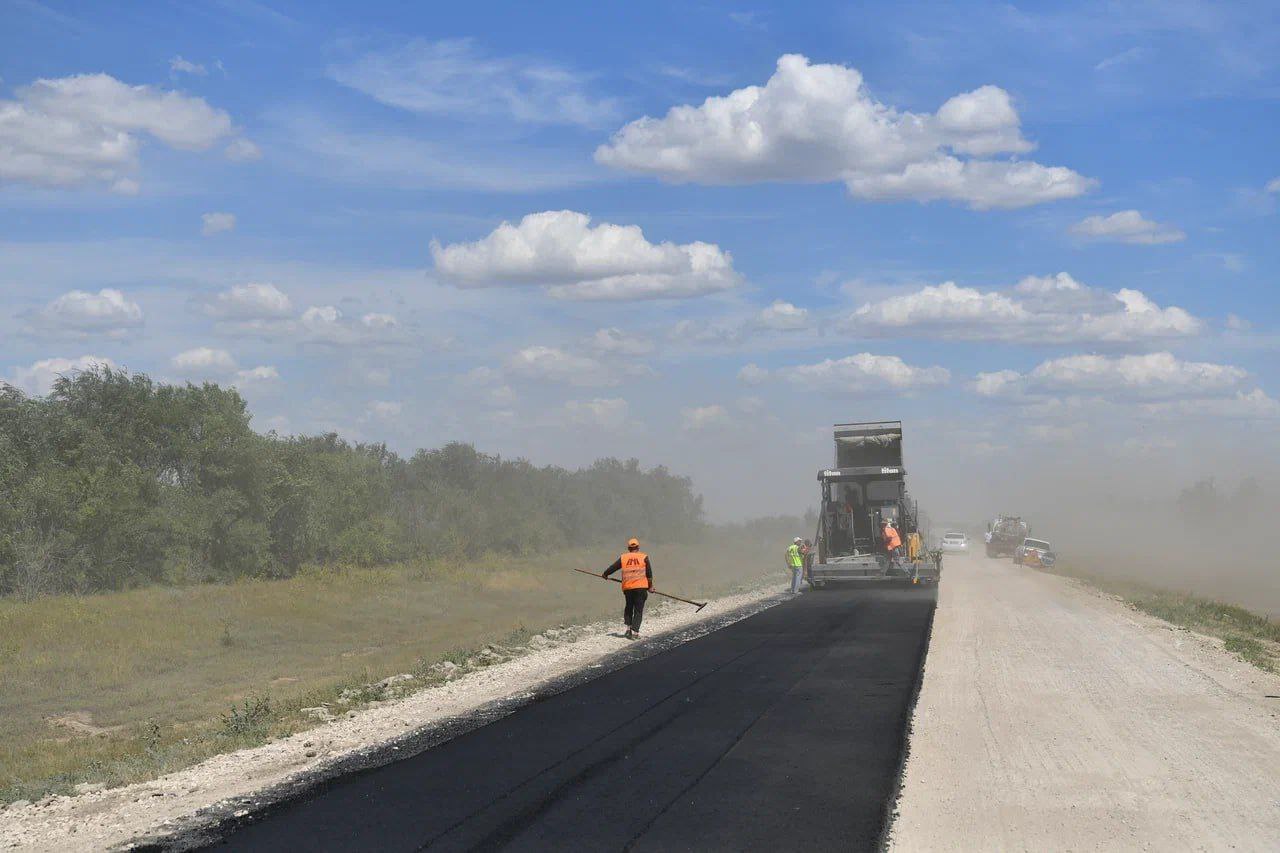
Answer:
(172, 675)
(1252, 637)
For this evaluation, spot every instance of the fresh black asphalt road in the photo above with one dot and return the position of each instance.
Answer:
(783, 731)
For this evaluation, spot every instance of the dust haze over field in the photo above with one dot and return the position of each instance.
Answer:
(1197, 517)
(1223, 549)
(1107, 497)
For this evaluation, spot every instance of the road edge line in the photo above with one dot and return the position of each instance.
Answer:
(891, 802)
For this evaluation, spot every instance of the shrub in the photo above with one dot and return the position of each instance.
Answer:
(249, 720)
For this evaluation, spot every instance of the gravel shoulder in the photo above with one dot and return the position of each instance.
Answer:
(1054, 717)
(229, 783)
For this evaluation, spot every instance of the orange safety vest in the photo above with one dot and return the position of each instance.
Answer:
(633, 571)
(891, 538)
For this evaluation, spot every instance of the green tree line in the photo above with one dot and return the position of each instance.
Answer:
(114, 481)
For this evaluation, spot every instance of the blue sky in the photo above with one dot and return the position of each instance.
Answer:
(1044, 237)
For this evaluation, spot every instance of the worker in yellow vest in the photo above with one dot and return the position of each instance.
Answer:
(915, 547)
(795, 562)
(637, 580)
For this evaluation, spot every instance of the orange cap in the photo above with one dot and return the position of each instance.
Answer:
(633, 544)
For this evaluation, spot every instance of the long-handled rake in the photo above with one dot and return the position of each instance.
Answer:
(697, 604)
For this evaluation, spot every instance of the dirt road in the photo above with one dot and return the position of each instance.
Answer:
(1054, 718)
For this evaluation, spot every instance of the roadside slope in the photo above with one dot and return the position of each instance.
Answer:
(236, 782)
(1053, 717)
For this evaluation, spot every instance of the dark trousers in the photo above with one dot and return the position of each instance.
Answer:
(634, 611)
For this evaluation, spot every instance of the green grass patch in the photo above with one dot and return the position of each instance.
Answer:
(121, 687)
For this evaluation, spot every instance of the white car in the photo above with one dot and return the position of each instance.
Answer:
(955, 543)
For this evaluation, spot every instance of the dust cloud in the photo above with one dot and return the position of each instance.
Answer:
(1106, 493)
(1210, 539)
(1170, 528)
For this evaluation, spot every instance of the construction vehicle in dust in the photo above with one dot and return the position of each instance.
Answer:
(1004, 534)
(868, 484)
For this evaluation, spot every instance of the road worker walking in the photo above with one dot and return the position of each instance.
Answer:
(637, 581)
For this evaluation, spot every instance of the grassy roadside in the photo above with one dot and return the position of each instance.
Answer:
(1250, 636)
(116, 688)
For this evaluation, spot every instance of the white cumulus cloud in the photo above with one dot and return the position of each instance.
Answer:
(943, 304)
(783, 315)
(997, 383)
(577, 260)
(550, 364)
(1047, 284)
(379, 322)
(204, 361)
(1139, 318)
(253, 301)
(1127, 226)
(1039, 309)
(326, 324)
(1273, 186)
(256, 376)
(216, 223)
(819, 123)
(108, 312)
(38, 379)
(89, 129)
(1152, 376)
(863, 372)
(253, 310)
(210, 363)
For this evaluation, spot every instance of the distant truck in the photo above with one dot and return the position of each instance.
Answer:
(867, 484)
(1004, 534)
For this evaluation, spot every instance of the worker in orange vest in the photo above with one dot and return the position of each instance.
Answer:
(892, 541)
(637, 580)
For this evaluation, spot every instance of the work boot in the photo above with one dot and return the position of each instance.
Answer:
(630, 634)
